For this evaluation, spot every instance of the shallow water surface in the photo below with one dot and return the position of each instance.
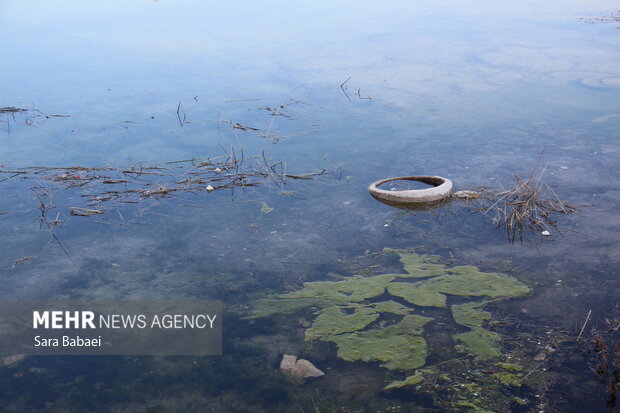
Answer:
(289, 112)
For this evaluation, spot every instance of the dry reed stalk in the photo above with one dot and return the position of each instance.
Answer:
(530, 204)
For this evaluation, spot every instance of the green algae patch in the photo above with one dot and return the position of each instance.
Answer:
(270, 306)
(466, 282)
(352, 290)
(473, 283)
(416, 294)
(417, 378)
(470, 406)
(509, 367)
(508, 379)
(334, 320)
(399, 346)
(470, 314)
(348, 312)
(420, 266)
(483, 344)
(391, 307)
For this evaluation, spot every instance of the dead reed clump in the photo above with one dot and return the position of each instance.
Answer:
(529, 205)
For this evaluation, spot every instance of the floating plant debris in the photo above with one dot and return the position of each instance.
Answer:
(613, 17)
(346, 316)
(528, 205)
(98, 185)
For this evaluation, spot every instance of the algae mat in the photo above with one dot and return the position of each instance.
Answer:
(373, 318)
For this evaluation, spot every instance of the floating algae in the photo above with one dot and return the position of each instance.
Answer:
(333, 321)
(460, 281)
(399, 346)
(391, 307)
(417, 378)
(508, 379)
(470, 314)
(471, 407)
(271, 306)
(481, 343)
(351, 290)
(509, 366)
(346, 316)
(417, 294)
(419, 266)
(478, 341)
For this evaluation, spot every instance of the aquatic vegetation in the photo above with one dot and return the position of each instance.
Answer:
(346, 315)
(419, 265)
(508, 379)
(399, 346)
(481, 343)
(334, 321)
(417, 295)
(509, 367)
(470, 314)
(417, 378)
(270, 306)
(469, 405)
(391, 307)
(354, 289)
(463, 281)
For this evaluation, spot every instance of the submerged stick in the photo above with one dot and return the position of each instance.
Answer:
(584, 325)
(530, 372)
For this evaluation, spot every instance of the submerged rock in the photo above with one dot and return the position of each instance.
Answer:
(299, 368)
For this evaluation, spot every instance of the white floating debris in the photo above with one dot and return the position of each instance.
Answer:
(265, 209)
(210, 188)
(546, 233)
(563, 167)
(217, 170)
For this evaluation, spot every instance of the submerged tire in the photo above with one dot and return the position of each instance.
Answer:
(442, 188)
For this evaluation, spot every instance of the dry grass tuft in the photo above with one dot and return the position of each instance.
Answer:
(528, 205)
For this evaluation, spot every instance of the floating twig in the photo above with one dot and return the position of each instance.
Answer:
(343, 87)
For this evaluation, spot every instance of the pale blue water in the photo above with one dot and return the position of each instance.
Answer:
(473, 91)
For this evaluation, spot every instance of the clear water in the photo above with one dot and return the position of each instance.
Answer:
(473, 91)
